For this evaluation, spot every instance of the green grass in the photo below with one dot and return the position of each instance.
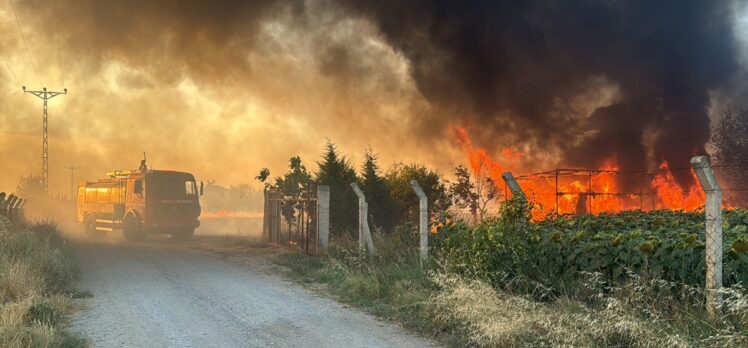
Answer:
(392, 284)
(37, 277)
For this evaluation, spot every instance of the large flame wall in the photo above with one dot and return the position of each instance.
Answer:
(598, 190)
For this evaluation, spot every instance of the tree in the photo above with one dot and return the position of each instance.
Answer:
(336, 172)
(730, 140)
(31, 187)
(463, 191)
(294, 184)
(405, 200)
(473, 192)
(263, 177)
(377, 194)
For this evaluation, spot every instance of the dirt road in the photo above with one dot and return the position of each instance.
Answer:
(157, 294)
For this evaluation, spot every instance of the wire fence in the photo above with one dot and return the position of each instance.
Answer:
(591, 191)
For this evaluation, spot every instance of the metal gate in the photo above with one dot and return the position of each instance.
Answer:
(292, 221)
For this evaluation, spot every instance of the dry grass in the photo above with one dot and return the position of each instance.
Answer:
(459, 311)
(488, 317)
(36, 287)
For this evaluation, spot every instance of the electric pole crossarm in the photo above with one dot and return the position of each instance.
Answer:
(45, 95)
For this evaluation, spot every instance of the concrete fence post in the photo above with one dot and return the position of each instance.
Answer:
(13, 209)
(11, 202)
(423, 218)
(21, 209)
(713, 250)
(17, 210)
(364, 234)
(323, 220)
(513, 186)
(265, 215)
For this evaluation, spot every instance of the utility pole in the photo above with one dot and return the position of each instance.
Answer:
(45, 95)
(72, 170)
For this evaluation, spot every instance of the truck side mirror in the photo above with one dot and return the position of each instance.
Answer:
(138, 188)
(201, 188)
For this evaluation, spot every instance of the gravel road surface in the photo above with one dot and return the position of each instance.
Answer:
(156, 294)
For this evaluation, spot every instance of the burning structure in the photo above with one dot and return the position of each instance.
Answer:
(563, 191)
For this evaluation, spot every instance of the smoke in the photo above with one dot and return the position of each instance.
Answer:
(220, 89)
(223, 88)
(519, 68)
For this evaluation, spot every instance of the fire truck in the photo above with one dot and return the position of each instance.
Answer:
(139, 203)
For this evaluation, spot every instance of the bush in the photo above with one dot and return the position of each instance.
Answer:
(664, 245)
(405, 201)
(37, 278)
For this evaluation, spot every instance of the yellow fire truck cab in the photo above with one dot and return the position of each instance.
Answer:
(139, 203)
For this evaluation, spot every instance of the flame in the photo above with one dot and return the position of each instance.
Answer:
(672, 196)
(479, 159)
(581, 192)
(219, 214)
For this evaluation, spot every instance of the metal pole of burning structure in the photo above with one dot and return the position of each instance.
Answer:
(265, 215)
(590, 196)
(557, 212)
(423, 220)
(364, 234)
(713, 210)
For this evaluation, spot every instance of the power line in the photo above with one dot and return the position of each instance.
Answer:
(62, 73)
(9, 69)
(2, 125)
(26, 43)
(59, 45)
(15, 77)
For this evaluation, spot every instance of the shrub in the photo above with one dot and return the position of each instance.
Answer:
(37, 278)
(663, 244)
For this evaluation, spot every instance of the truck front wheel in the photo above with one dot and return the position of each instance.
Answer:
(130, 229)
(89, 226)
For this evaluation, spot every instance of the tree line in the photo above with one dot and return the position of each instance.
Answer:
(388, 193)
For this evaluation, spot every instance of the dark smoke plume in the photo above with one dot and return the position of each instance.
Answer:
(514, 66)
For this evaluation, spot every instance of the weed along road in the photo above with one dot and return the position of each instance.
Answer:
(157, 294)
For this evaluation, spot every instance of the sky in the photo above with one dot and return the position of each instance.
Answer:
(224, 88)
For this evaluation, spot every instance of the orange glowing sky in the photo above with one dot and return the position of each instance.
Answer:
(272, 90)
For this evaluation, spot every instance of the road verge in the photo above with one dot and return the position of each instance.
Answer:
(37, 285)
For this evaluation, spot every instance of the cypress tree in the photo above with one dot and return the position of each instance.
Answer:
(381, 209)
(336, 172)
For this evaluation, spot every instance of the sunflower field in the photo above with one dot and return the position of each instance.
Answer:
(661, 244)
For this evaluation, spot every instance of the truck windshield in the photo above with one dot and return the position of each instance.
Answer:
(171, 186)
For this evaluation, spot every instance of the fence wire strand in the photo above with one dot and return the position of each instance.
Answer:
(653, 186)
